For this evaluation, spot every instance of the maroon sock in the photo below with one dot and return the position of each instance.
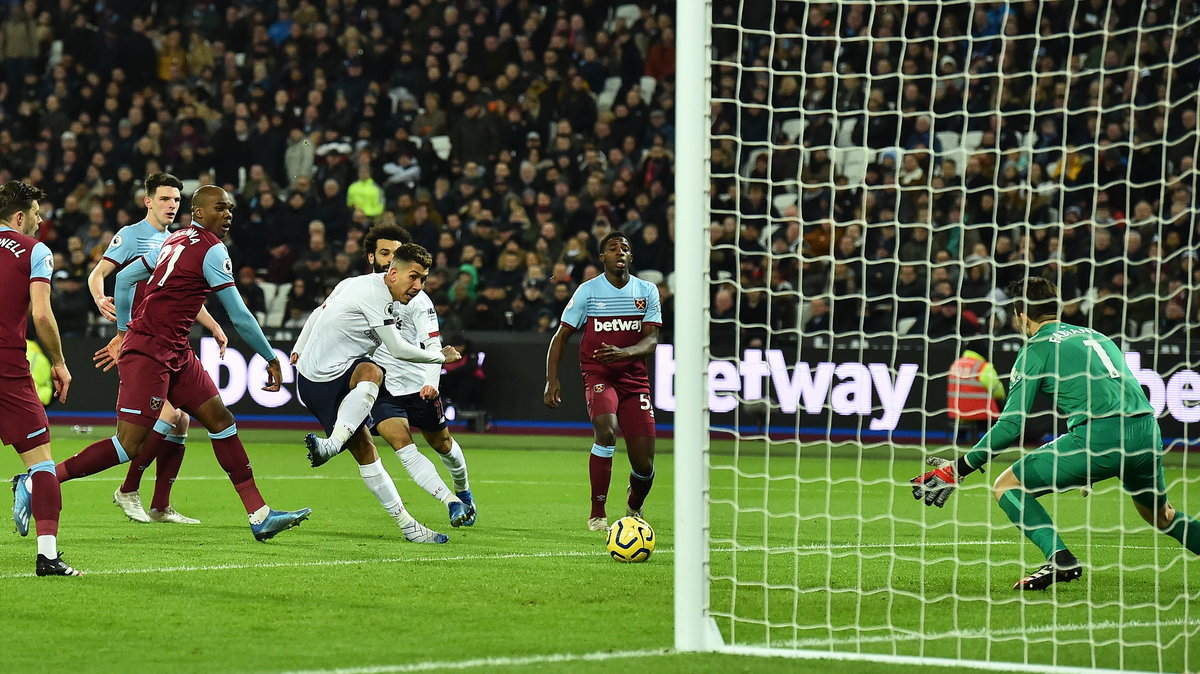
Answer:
(232, 457)
(94, 458)
(139, 463)
(170, 457)
(600, 471)
(638, 488)
(46, 502)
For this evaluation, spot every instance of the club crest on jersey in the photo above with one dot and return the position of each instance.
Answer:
(156, 403)
(598, 388)
(640, 303)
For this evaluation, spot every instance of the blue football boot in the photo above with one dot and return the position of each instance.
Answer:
(468, 505)
(277, 521)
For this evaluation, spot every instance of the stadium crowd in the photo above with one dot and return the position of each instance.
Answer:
(884, 185)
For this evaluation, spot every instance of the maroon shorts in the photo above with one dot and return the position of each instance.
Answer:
(23, 421)
(147, 382)
(629, 399)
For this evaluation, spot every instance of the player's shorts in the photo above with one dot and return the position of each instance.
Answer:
(322, 398)
(147, 383)
(427, 415)
(23, 422)
(1129, 448)
(628, 399)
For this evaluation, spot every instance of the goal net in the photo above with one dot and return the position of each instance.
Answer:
(873, 176)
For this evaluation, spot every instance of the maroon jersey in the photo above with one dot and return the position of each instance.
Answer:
(23, 261)
(614, 316)
(190, 264)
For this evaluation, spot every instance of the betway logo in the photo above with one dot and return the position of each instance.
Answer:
(615, 325)
(803, 387)
(1179, 394)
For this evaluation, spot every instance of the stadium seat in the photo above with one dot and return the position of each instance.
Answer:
(950, 140)
(648, 85)
(652, 275)
(845, 132)
(606, 97)
(190, 185)
(852, 163)
(971, 140)
(441, 145)
(782, 201)
(793, 129)
(904, 325)
(277, 306)
(629, 12)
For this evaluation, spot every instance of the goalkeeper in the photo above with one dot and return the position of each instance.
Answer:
(1111, 432)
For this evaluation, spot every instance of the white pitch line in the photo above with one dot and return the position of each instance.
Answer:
(487, 663)
(984, 632)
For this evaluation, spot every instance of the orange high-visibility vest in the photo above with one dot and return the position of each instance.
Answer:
(967, 398)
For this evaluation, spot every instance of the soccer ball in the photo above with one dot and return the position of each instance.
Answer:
(630, 540)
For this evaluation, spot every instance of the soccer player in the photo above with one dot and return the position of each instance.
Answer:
(25, 268)
(620, 317)
(170, 431)
(157, 363)
(1111, 432)
(410, 393)
(339, 382)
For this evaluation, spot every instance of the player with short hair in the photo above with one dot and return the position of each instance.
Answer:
(1111, 432)
(620, 317)
(410, 393)
(25, 268)
(157, 362)
(166, 444)
(339, 381)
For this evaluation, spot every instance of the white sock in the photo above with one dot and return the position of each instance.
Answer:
(424, 474)
(381, 485)
(456, 463)
(353, 411)
(258, 516)
(29, 486)
(403, 518)
(48, 546)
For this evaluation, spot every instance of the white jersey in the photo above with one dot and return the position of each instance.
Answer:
(358, 316)
(418, 324)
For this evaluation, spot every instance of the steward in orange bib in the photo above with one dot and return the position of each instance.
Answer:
(973, 393)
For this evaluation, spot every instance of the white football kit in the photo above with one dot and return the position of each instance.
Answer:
(357, 317)
(417, 323)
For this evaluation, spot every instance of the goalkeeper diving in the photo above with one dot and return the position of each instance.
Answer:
(1111, 432)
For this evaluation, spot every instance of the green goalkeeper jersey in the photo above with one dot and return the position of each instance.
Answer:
(1083, 371)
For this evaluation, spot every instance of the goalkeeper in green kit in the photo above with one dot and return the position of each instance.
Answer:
(1111, 432)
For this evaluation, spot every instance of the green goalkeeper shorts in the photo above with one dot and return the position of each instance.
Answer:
(1127, 448)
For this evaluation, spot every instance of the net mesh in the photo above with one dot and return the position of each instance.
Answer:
(879, 173)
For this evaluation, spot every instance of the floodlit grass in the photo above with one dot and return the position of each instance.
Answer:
(813, 558)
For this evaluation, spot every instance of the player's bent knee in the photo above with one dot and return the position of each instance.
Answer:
(182, 423)
(367, 372)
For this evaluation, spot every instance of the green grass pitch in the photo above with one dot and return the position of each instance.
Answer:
(826, 551)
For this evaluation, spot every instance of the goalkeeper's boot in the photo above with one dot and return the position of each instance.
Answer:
(21, 503)
(277, 521)
(469, 505)
(131, 505)
(320, 450)
(598, 524)
(1054, 571)
(55, 567)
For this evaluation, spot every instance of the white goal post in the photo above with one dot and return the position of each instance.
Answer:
(825, 153)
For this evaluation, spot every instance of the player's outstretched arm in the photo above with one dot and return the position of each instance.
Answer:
(95, 281)
(245, 323)
(47, 332)
(402, 350)
(552, 396)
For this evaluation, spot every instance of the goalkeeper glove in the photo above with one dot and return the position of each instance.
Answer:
(936, 485)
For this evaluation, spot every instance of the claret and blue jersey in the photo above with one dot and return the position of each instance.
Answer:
(614, 316)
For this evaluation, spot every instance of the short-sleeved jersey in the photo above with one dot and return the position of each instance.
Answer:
(345, 327)
(1081, 370)
(418, 324)
(130, 243)
(190, 264)
(23, 261)
(614, 316)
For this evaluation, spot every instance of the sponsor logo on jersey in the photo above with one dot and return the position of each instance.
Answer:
(156, 403)
(616, 325)
(598, 388)
(640, 303)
